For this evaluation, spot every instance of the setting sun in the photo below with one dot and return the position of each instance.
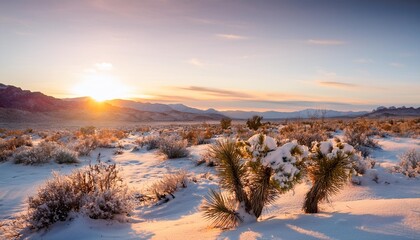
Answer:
(101, 88)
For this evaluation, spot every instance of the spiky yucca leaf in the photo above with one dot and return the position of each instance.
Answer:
(218, 208)
(328, 175)
(231, 169)
(263, 190)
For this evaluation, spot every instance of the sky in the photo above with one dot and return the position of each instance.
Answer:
(223, 54)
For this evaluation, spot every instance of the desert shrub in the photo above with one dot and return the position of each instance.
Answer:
(193, 137)
(303, 134)
(111, 134)
(172, 147)
(253, 174)
(42, 153)
(97, 190)
(84, 146)
(30, 156)
(14, 132)
(359, 135)
(163, 190)
(53, 202)
(88, 130)
(107, 204)
(197, 136)
(225, 123)
(9, 146)
(5, 150)
(208, 159)
(254, 123)
(243, 132)
(5, 154)
(151, 142)
(400, 128)
(64, 155)
(409, 164)
(12, 228)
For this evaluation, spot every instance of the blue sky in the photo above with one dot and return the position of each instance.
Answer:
(253, 55)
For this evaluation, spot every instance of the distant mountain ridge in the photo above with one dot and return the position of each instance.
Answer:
(394, 112)
(16, 98)
(17, 105)
(23, 105)
(307, 113)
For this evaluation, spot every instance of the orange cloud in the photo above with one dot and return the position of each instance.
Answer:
(337, 84)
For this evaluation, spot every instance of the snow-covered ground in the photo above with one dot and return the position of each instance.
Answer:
(386, 209)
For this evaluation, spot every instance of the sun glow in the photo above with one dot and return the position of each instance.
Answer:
(101, 88)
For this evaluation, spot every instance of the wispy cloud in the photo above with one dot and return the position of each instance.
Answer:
(325, 42)
(396, 64)
(196, 62)
(231, 37)
(363, 61)
(217, 92)
(337, 84)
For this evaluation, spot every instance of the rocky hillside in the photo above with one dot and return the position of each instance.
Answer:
(394, 112)
(17, 105)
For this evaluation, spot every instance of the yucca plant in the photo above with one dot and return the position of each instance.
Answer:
(254, 123)
(329, 168)
(252, 174)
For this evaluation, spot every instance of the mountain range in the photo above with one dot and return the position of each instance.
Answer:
(307, 113)
(17, 105)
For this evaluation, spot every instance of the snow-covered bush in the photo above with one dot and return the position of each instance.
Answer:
(108, 203)
(359, 135)
(64, 155)
(12, 228)
(208, 159)
(53, 202)
(150, 142)
(42, 153)
(163, 189)
(409, 164)
(5, 150)
(9, 146)
(30, 156)
(88, 139)
(97, 190)
(172, 147)
(253, 174)
(84, 146)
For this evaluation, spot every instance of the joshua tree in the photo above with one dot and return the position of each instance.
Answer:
(329, 169)
(254, 123)
(253, 174)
